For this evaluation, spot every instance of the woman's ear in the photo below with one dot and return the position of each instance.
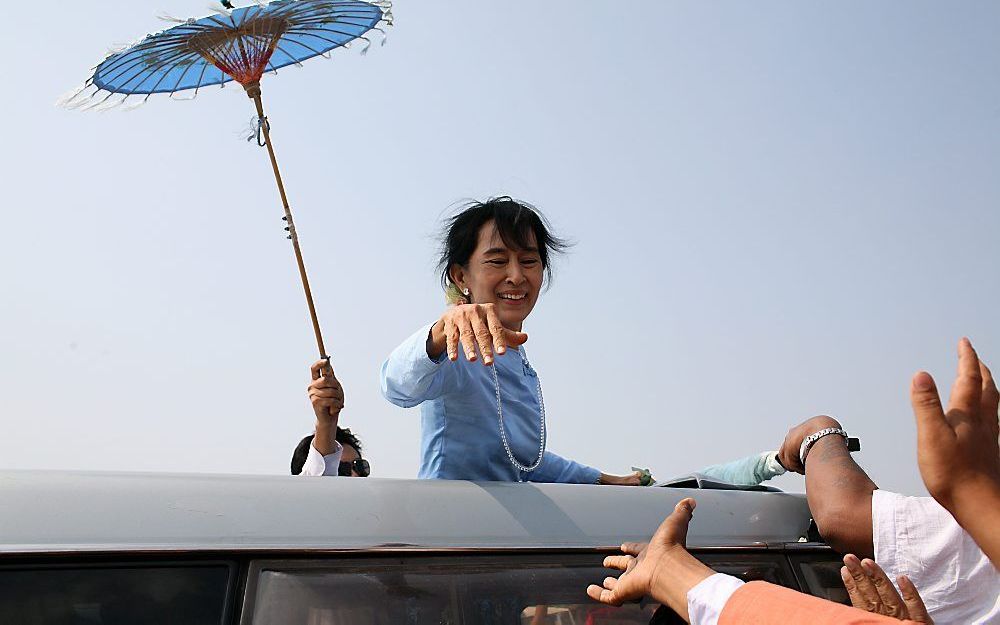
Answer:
(457, 275)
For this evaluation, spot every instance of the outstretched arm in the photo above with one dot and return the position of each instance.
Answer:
(838, 490)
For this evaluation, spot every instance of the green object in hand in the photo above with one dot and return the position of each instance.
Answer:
(646, 478)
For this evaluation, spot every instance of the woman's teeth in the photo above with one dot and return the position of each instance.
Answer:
(512, 296)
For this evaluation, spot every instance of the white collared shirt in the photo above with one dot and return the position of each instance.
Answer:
(317, 464)
(707, 599)
(917, 537)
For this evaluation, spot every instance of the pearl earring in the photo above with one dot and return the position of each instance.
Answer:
(465, 291)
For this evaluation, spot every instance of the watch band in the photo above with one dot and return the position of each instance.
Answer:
(808, 442)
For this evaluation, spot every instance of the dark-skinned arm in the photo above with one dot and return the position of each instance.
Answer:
(838, 490)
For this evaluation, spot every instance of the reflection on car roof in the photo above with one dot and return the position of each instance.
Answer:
(51, 511)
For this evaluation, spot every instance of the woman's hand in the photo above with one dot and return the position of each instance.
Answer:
(632, 479)
(474, 326)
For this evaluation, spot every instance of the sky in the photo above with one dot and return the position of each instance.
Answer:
(780, 210)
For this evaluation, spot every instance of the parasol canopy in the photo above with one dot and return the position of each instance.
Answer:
(240, 44)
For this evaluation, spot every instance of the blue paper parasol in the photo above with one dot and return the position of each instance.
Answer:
(240, 44)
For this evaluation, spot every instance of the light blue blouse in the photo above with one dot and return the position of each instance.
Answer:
(460, 434)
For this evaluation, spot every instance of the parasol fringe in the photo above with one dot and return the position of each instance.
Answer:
(131, 106)
(71, 99)
(216, 7)
(166, 17)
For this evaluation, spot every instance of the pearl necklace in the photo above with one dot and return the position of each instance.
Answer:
(541, 423)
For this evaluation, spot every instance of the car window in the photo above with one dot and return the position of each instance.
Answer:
(114, 595)
(753, 567)
(820, 576)
(460, 590)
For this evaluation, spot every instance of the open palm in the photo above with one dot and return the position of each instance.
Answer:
(642, 560)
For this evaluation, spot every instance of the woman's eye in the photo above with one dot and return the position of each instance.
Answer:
(531, 262)
(496, 262)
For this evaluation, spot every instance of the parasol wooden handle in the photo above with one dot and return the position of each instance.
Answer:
(253, 91)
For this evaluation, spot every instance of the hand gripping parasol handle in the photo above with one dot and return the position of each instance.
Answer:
(253, 91)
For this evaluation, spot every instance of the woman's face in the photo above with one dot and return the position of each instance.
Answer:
(509, 278)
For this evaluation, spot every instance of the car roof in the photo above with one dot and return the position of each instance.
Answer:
(52, 511)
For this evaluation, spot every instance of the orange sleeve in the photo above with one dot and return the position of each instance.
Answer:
(760, 603)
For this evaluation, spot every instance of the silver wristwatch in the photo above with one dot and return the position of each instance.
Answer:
(815, 436)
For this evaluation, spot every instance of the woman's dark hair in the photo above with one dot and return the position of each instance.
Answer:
(515, 222)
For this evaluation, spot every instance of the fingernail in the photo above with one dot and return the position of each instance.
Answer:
(923, 381)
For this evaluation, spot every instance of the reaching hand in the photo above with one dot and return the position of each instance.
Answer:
(788, 455)
(642, 559)
(870, 590)
(632, 479)
(661, 568)
(957, 449)
(474, 326)
(325, 393)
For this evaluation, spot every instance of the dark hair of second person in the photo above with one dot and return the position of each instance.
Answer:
(344, 437)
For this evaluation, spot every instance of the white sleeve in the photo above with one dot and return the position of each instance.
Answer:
(916, 537)
(709, 597)
(317, 464)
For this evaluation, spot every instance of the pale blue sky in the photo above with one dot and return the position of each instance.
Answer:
(782, 209)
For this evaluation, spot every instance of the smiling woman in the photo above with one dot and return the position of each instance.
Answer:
(485, 421)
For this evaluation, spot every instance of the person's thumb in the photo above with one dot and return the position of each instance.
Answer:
(927, 406)
(515, 338)
(674, 529)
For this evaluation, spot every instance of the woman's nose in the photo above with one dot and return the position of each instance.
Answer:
(514, 274)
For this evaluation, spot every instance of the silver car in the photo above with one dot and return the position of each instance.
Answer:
(134, 549)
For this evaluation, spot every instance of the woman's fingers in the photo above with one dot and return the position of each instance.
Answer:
(892, 603)
(483, 338)
(467, 336)
(914, 604)
(496, 329)
(634, 549)
(451, 339)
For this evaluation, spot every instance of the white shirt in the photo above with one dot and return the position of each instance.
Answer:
(317, 464)
(916, 537)
(709, 597)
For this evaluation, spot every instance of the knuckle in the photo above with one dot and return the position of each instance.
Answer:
(927, 399)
